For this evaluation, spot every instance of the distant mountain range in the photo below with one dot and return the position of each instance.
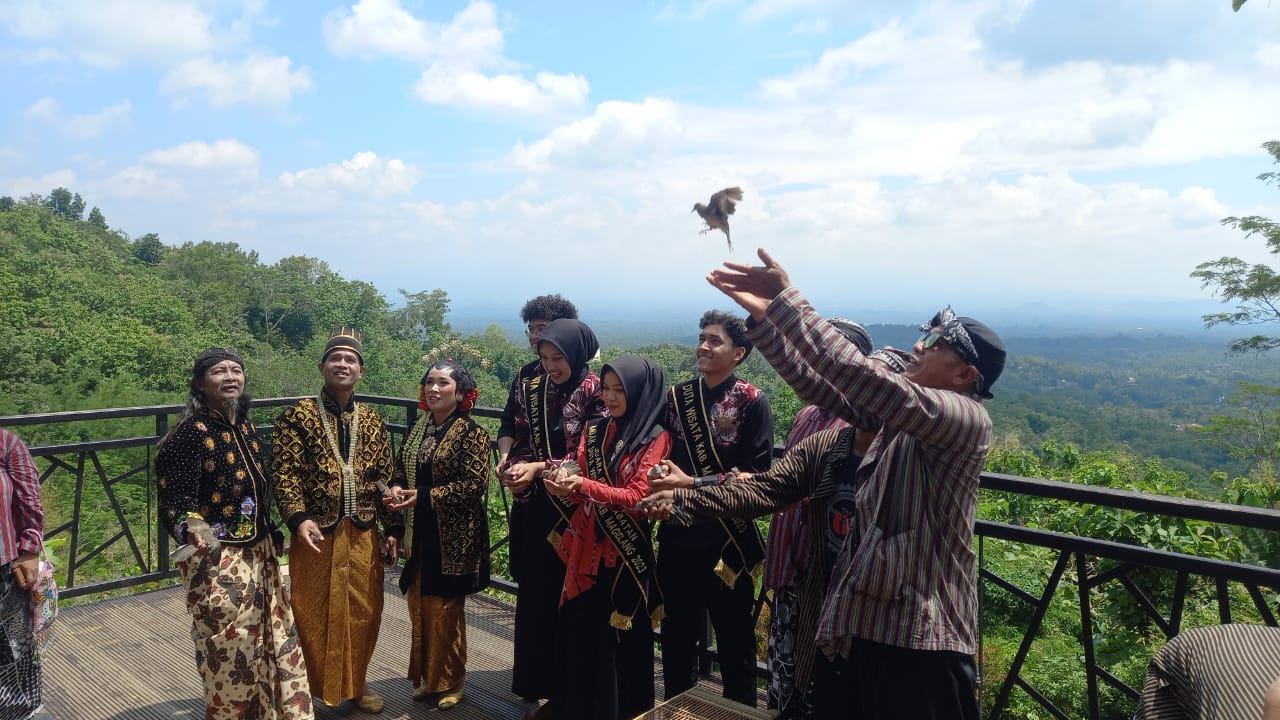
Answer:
(653, 323)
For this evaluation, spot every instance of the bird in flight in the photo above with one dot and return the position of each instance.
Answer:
(716, 213)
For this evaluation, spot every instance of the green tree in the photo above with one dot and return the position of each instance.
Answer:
(97, 219)
(63, 203)
(423, 314)
(1255, 288)
(148, 249)
(7, 203)
(1250, 430)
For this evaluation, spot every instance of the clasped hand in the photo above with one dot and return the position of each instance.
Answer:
(561, 484)
(519, 475)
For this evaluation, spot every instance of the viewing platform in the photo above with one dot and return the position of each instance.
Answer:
(131, 656)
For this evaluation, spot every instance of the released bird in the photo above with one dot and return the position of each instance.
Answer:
(716, 213)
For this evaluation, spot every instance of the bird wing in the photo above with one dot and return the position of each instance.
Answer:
(724, 200)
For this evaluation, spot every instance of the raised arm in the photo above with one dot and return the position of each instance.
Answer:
(825, 359)
(791, 479)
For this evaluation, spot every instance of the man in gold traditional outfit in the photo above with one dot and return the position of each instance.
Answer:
(329, 452)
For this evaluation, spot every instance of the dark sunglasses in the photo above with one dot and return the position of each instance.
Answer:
(929, 339)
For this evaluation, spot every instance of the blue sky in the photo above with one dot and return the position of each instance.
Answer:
(895, 154)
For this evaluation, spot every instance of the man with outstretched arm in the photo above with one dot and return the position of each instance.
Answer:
(898, 626)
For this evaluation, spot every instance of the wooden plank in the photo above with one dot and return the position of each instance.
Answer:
(131, 658)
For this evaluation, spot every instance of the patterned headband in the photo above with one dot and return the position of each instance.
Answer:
(953, 331)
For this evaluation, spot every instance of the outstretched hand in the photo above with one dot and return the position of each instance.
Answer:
(751, 286)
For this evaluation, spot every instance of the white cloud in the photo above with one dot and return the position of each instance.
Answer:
(80, 127)
(112, 34)
(364, 173)
(444, 85)
(91, 125)
(46, 108)
(459, 57)
(193, 169)
(382, 27)
(201, 155)
(22, 186)
(258, 81)
(883, 46)
(199, 46)
(611, 136)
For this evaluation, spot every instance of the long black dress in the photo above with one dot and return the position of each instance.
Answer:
(448, 554)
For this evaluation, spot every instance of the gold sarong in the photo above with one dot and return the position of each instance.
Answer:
(438, 655)
(337, 601)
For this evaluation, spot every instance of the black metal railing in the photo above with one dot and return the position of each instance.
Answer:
(96, 471)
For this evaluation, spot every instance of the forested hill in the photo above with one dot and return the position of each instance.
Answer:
(97, 319)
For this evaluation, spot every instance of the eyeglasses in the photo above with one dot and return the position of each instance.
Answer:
(535, 330)
(960, 344)
(929, 339)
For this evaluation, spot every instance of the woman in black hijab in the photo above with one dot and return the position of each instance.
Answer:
(552, 409)
(611, 601)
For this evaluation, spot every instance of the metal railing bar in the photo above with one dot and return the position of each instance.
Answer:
(1144, 602)
(1042, 607)
(1009, 587)
(1237, 572)
(1188, 508)
(1040, 698)
(1264, 608)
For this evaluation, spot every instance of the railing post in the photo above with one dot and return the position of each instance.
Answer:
(1086, 634)
(162, 533)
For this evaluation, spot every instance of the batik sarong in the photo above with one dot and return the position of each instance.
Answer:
(337, 600)
(438, 654)
(246, 645)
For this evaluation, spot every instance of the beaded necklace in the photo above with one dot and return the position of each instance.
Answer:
(347, 465)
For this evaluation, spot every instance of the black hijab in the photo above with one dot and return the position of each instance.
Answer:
(578, 345)
(646, 389)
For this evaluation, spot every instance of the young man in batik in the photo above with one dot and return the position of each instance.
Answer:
(329, 452)
(719, 422)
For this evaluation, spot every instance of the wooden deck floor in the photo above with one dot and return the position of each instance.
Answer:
(131, 658)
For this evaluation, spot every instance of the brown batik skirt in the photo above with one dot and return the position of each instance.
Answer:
(246, 644)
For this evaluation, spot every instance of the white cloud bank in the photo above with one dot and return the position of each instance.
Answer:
(460, 57)
(81, 127)
(203, 55)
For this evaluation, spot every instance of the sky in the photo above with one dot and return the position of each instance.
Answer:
(894, 154)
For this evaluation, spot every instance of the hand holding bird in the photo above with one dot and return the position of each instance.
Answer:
(716, 213)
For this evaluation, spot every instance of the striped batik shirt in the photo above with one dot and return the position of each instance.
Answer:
(910, 581)
(19, 500)
(1212, 673)
(788, 546)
